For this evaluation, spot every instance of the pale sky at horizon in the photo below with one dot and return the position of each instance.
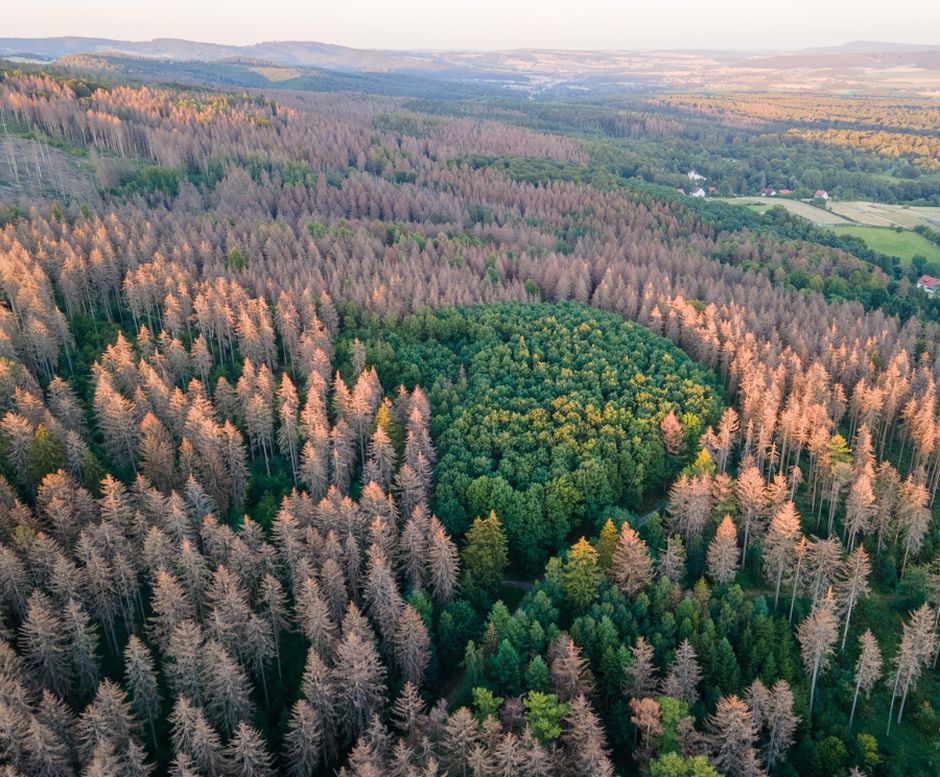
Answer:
(488, 24)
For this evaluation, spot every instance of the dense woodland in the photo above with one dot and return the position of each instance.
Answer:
(333, 440)
(742, 143)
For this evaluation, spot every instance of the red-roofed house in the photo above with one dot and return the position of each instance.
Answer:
(928, 283)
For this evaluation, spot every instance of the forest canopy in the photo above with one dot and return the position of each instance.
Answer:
(547, 414)
(232, 431)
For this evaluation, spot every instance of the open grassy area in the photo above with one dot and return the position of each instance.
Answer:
(879, 214)
(818, 216)
(904, 244)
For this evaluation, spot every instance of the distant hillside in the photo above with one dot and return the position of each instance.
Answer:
(296, 53)
(855, 68)
(869, 47)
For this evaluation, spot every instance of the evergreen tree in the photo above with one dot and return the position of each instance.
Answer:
(817, 636)
(852, 585)
(732, 738)
(631, 568)
(582, 574)
(723, 553)
(485, 555)
(867, 668)
(684, 675)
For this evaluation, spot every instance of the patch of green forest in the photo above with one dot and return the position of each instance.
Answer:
(547, 413)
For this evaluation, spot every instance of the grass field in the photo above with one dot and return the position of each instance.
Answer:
(818, 216)
(903, 245)
(877, 214)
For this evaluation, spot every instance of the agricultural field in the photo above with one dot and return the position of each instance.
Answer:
(903, 244)
(879, 214)
(819, 216)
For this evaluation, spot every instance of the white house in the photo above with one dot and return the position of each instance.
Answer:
(695, 177)
(700, 192)
(821, 194)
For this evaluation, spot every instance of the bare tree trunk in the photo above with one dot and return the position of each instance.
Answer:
(894, 694)
(812, 687)
(858, 685)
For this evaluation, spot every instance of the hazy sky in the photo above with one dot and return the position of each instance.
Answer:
(487, 24)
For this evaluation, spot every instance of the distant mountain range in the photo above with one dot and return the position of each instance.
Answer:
(856, 66)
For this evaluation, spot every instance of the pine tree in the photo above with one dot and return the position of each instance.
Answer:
(461, 736)
(408, 714)
(585, 745)
(183, 664)
(606, 545)
(107, 720)
(723, 553)
(358, 682)
(732, 737)
(672, 433)
(817, 636)
(273, 607)
(751, 496)
(318, 692)
(641, 674)
(852, 585)
(412, 646)
(582, 574)
(302, 743)
(226, 688)
(646, 715)
(170, 607)
(727, 435)
(485, 555)
(632, 568)
(288, 434)
(824, 561)
(44, 642)
(690, 505)
(157, 460)
(913, 518)
(867, 668)
(314, 469)
(779, 546)
(194, 738)
(313, 617)
(859, 509)
(671, 561)
(684, 675)
(772, 711)
(443, 566)
(918, 643)
(83, 645)
(568, 669)
(380, 462)
(247, 755)
(103, 762)
(142, 683)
